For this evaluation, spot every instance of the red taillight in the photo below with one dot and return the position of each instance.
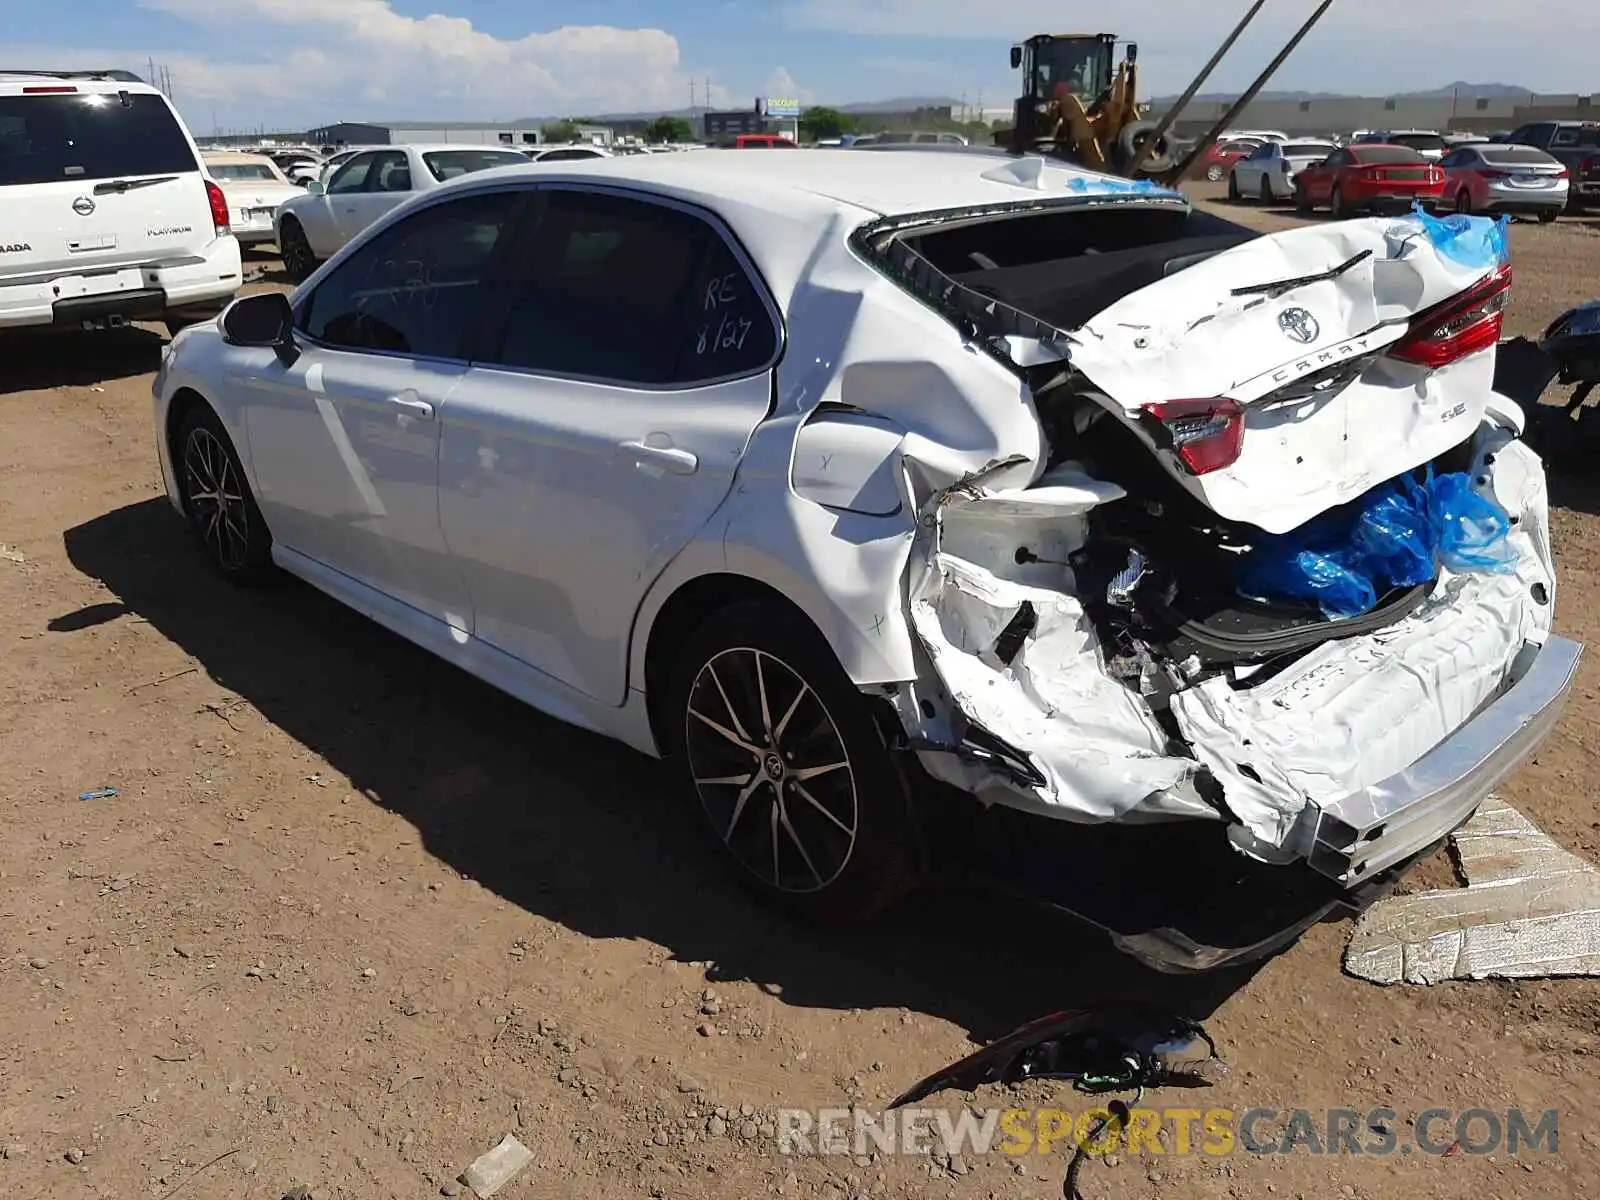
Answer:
(50, 90)
(1206, 435)
(1562, 174)
(219, 207)
(1495, 174)
(1462, 325)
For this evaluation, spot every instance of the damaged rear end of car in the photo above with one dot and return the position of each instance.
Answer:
(1284, 566)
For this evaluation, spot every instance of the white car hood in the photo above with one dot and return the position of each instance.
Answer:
(1189, 337)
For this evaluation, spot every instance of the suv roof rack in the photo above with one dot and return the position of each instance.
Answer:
(121, 76)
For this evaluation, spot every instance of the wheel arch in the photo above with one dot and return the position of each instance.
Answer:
(689, 606)
(185, 400)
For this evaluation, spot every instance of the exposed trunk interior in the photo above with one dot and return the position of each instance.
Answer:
(1067, 265)
(1158, 567)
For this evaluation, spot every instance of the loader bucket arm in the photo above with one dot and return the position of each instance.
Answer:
(1195, 85)
(1239, 105)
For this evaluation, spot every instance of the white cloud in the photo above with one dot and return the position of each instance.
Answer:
(1545, 44)
(309, 61)
(781, 85)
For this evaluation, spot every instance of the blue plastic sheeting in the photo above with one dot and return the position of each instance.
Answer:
(1469, 241)
(1099, 186)
(1397, 535)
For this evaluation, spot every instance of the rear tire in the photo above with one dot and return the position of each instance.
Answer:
(1337, 207)
(1464, 202)
(1234, 193)
(758, 704)
(1267, 196)
(299, 262)
(228, 527)
(1548, 217)
(1302, 201)
(1214, 173)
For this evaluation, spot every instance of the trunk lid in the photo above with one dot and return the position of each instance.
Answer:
(95, 180)
(1324, 410)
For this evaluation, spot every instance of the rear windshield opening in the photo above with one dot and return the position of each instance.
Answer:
(1516, 156)
(242, 173)
(1419, 141)
(83, 136)
(1385, 154)
(447, 164)
(1067, 265)
(1308, 149)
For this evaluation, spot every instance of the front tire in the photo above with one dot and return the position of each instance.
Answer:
(1234, 193)
(791, 776)
(1464, 202)
(1548, 216)
(1214, 173)
(1267, 196)
(1302, 201)
(299, 262)
(228, 527)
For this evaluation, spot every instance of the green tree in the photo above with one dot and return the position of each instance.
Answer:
(820, 123)
(669, 129)
(559, 131)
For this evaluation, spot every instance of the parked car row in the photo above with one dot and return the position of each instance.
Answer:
(1486, 177)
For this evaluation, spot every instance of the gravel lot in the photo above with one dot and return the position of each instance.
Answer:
(353, 916)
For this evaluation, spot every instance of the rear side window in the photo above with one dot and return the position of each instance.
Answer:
(416, 287)
(87, 135)
(1574, 136)
(620, 289)
(447, 164)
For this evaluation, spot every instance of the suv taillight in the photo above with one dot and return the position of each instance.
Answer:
(219, 208)
(1462, 325)
(1206, 435)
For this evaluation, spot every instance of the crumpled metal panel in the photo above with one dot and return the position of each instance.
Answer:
(1530, 910)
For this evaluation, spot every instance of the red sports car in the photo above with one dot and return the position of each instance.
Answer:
(1368, 178)
(1214, 163)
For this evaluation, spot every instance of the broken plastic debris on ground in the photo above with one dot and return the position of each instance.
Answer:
(1530, 910)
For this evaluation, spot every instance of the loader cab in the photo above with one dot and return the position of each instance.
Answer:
(1085, 63)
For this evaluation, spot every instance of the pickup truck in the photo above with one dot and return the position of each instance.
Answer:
(1577, 145)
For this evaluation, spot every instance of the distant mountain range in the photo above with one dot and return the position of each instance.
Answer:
(1467, 91)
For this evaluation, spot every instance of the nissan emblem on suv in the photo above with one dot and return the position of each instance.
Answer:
(83, 206)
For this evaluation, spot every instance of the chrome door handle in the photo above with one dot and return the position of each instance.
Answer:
(412, 407)
(667, 458)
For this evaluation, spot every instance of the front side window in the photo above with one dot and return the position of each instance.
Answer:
(352, 177)
(416, 288)
(89, 135)
(622, 289)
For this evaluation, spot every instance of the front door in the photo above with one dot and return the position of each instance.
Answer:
(344, 442)
(601, 425)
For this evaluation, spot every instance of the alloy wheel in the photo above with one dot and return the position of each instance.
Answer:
(296, 252)
(771, 770)
(214, 495)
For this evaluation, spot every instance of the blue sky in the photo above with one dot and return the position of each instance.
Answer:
(294, 63)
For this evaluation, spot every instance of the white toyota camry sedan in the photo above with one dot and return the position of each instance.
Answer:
(315, 223)
(844, 480)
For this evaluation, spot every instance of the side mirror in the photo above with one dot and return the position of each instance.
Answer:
(1133, 51)
(264, 320)
(316, 187)
(1016, 57)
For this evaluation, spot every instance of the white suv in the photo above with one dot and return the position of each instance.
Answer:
(105, 213)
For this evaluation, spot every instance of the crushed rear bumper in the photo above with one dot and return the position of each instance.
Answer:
(1353, 839)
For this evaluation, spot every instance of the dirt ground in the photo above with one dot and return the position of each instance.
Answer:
(353, 916)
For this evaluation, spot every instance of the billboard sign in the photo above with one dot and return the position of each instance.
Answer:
(783, 106)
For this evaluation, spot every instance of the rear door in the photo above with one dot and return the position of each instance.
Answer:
(601, 424)
(90, 180)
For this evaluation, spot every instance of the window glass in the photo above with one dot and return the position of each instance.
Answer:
(352, 177)
(89, 135)
(625, 290)
(242, 173)
(391, 172)
(416, 287)
(447, 164)
(567, 155)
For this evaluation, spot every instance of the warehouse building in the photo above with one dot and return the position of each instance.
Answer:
(400, 133)
(1462, 113)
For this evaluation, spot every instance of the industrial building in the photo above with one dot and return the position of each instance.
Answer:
(385, 133)
(1341, 114)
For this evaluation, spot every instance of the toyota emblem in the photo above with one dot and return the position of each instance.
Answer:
(1299, 325)
(83, 206)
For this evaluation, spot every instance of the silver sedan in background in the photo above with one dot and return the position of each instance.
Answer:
(1496, 178)
(1267, 174)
